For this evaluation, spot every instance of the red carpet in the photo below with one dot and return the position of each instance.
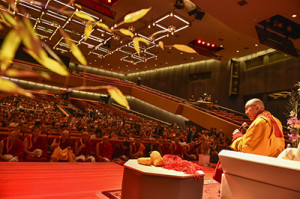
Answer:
(66, 180)
(210, 191)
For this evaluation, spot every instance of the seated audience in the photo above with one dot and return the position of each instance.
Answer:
(35, 146)
(176, 148)
(104, 150)
(190, 152)
(137, 149)
(151, 147)
(11, 148)
(97, 134)
(84, 149)
(62, 148)
(121, 152)
(165, 147)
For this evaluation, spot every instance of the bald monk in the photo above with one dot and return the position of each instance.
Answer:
(62, 148)
(264, 136)
(104, 150)
(11, 148)
(84, 149)
(35, 146)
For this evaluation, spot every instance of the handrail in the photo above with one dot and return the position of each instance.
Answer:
(141, 114)
(63, 111)
(233, 111)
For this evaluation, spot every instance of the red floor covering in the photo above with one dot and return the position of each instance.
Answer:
(62, 180)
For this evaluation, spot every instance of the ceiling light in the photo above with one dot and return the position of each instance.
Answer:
(294, 16)
(256, 45)
(237, 51)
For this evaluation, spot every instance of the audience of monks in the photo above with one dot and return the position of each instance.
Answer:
(36, 120)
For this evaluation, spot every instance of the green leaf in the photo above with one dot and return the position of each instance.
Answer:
(126, 32)
(9, 47)
(132, 17)
(87, 31)
(84, 16)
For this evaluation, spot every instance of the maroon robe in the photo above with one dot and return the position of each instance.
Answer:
(104, 151)
(17, 149)
(40, 143)
(64, 144)
(88, 150)
(177, 149)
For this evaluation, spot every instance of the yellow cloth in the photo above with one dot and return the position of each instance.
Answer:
(260, 138)
(66, 154)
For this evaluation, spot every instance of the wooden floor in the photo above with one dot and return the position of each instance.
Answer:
(61, 180)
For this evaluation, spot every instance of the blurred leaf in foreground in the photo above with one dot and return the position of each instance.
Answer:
(74, 48)
(184, 48)
(10, 87)
(85, 16)
(88, 30)
(115, 93)
(136, 44)
(9, 47)
(132, 17)
(126, 32)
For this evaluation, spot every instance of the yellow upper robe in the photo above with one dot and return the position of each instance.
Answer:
(260, 138)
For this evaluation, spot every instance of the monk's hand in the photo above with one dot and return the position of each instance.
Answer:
(236, 134)
(82, 146)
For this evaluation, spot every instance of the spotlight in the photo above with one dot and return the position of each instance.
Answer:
(199, 15)
(179, 4)
(193, 9)
(190, 6)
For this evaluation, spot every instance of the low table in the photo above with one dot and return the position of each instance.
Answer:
(148, 182)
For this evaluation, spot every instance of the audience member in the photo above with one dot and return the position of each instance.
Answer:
(104, 150)
(84, 149)
(11, 148)
(35, 146)
(62, 147)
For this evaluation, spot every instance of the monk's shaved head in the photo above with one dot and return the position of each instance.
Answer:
(256, 102)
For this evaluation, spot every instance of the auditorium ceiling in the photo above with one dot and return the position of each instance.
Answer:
(227, 24)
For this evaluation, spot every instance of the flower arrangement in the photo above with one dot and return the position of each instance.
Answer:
(293, 121)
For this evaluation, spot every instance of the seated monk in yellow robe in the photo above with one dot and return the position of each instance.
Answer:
(264, 136)
(62, 148)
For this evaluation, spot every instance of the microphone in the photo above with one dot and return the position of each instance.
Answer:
(243, 127)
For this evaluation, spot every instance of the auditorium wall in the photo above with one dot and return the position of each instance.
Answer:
(259, 81)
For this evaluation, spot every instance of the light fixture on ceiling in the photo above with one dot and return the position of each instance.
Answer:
(294, 16)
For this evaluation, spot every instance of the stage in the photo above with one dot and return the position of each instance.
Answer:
(63, 180)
